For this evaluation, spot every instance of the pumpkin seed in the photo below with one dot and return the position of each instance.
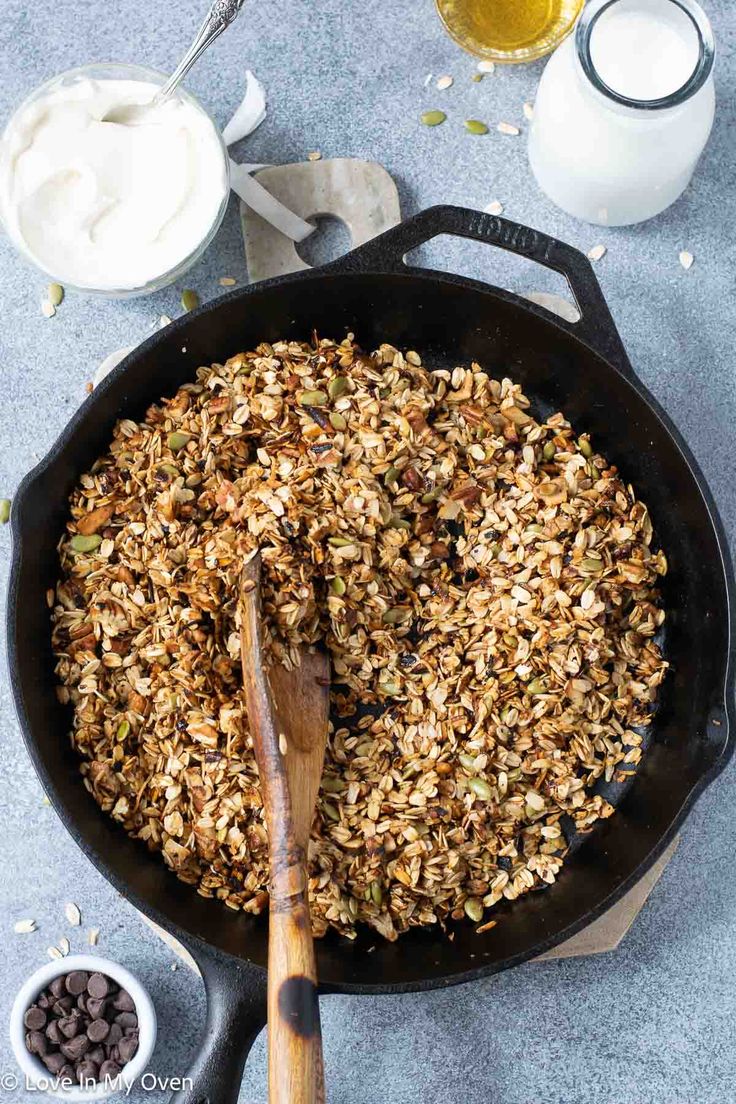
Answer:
(376, 893)
(396, 522)
(80, 543)
(391, 476)
(123, 731)
(389, 687)
(4, 511)
(433, 118)
(332, 784)
(338, 422)
(339, 542)
(480, 788)
(549, 450)
(177, 441)
(474, 909)
(430, 496)
(536, 686)
(590, 563)
(169, 469)
(311, 398)
(330, 811)
(585, 447)
(337, 585)
(468, 761)
(189, 299)
(396, 615)
(475, 126)
(477, 78)
(337, 387)
(55, 294)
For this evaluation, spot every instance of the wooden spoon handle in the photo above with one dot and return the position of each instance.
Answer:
(295, 1069)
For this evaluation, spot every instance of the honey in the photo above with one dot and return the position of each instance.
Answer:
(509, 30)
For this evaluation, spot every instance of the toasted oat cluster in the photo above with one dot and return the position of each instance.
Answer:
(484, 582)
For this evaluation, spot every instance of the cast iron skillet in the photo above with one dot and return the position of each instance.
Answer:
(581, 368)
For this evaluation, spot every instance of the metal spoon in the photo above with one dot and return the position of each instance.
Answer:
(220, 16)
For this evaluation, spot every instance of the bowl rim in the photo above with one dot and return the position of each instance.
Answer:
(34, 1070)
(155, 76)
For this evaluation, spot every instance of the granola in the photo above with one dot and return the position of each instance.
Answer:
(484, 581)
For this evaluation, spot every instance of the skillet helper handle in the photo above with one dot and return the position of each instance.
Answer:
(236, 1014)
(295, 1065)
(596, 327)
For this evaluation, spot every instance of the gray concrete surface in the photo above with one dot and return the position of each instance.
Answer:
(653, 1023)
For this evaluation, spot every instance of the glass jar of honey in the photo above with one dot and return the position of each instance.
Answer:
(509, 30)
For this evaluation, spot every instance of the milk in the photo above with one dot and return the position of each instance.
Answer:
(624, 110)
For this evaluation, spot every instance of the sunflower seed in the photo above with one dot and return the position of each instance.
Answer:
(528, 110)
(686, 259)
(48, 310)
(93, 936)
(507, 128)
(596, 252)
(73, 914)
(486, 66)
(314, 155)
(227, 281)
(444, 82)
(25, 927)
(54, 952)
(494, 208)
(64, 946)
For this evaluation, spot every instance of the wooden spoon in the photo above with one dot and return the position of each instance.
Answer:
(288, 713)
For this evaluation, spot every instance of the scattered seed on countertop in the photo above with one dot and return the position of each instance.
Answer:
(315, 155)
(433, 118)
(475, 126)
(163, 321)
(486, 66)
(596, 252)
(507, 128)
(189, 299)
(4, 511)
(444, 82)
(64, 946)
(25, 927)
(528, 110)
(427, 80)
(93, 936)
(227, 281)
(48, 310)
(494, 208)
(73, 914)
(54, 952)
(477, 78)
(55, 294)
(686, 259)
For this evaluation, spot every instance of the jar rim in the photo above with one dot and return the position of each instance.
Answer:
(706, 56)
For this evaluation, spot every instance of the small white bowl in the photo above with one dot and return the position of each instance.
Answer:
(34, 1069)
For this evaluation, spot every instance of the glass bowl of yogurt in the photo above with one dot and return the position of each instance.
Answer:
(109, 208)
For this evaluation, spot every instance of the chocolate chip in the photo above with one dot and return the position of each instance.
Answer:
(54, 1063)
(76, 982)
(96, 1007)
(35, 1018)
(75, 1048)
(63, 1006)
(70, 1026)
(97, 1055)
(109, 1070)
(87, 1071)
(116, 1034)
(44, 1001)
(82, 1002)
(127, 1047)
(66, 1073)
(124, 1002)
(113, 1053)
(98, 1030)
(37, 1043)
(58, 986)
(127, 1019)
(98, 985)
(53, 1034)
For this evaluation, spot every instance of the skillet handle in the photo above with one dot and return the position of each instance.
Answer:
(596, 326)
(236, 1013)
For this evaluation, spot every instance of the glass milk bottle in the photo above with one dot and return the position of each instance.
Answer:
(624, 109)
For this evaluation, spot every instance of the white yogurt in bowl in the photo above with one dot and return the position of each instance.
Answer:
(104, 206)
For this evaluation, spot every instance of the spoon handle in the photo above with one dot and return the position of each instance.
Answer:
(220, 16)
